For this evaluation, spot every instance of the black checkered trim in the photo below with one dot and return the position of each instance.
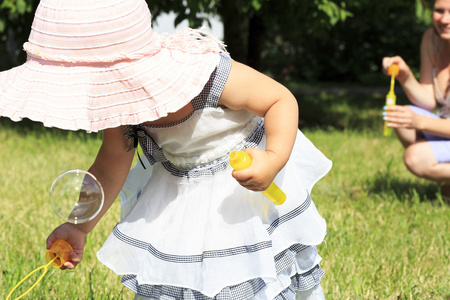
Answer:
(219, 253)
(212, 91)
(219, 164)
(302, 282)
(292, 214)
(245, 290)
(191, 258)
(154, 153)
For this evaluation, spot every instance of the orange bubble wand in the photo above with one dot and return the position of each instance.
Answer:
(77, 197)
(56, 256)
(240, 160)
(390, 97)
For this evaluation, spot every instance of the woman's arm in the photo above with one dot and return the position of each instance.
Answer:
(403, 117)
(111, 168)
(420, 93)
(259, 94)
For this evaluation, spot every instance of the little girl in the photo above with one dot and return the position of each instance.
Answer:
(191, 227)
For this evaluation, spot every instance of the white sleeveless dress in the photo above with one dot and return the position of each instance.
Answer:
(190, 231)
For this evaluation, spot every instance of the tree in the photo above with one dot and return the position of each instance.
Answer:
(16, 17)
(246, 22)
(314, 39)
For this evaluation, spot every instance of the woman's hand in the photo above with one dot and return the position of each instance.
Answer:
(404, 72)
(75, 237)
(265, 166)
(402, 117)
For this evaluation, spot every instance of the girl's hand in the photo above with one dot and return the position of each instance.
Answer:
(265, 166)
(402, 117)
(75, 237)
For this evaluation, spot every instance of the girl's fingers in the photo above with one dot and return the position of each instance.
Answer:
(250, 185)
(69, 265)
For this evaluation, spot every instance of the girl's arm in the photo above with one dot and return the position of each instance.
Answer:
(420, 93)
(259, 94)
(111, 168)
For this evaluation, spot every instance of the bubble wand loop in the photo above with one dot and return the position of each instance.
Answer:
(391, 97)
(45, 267)
(56, 256)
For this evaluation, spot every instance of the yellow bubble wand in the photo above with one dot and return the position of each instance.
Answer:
(56, 256)
(240, 160)
(391, 97)
(45, 267)
(77, 197)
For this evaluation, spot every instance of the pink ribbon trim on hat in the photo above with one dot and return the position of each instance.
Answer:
(194, 41)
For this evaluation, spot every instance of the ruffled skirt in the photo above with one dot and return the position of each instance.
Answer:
(210, 238)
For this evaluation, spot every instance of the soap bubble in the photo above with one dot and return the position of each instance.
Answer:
(76, 196)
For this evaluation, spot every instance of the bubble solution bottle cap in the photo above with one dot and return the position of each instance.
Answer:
(240, 160)
(393, 70)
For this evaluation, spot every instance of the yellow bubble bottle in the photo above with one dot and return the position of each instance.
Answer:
(391, 98)
(240, 160)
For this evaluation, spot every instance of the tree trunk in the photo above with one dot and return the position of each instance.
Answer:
(235, 29)
(256, 33)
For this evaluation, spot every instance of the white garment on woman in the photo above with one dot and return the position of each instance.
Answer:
(444, 110)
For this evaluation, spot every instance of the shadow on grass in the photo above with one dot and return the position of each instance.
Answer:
(406, 190)
(342, 109)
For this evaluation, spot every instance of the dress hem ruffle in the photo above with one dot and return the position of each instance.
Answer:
(257, 288)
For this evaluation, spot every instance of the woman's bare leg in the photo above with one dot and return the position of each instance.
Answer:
(420, 160)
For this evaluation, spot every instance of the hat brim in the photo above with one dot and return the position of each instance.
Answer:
(94, 97)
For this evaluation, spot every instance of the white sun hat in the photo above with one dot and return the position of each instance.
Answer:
(97, 64)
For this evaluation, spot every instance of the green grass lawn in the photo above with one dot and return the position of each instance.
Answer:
(388, 235)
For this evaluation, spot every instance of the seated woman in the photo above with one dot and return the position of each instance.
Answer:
(425, 134)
